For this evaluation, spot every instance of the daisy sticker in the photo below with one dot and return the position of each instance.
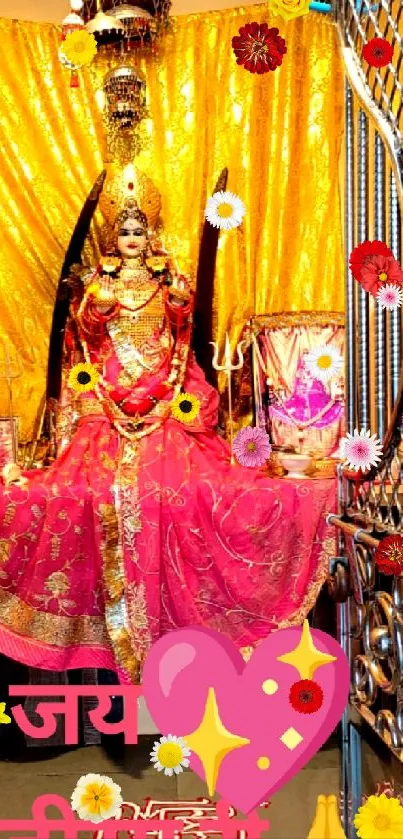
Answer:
(379, 817)
(186, 408)
(96, 798)
(378, 52)
(324, 363)
(389, 296)
(80, 48)
(363, 254)
(389, 555)
(259, 48)
(379, 271)
(361, 450)
(306, 696)
(170, 755)
(83, 377)
(225, 210)
(252, 447)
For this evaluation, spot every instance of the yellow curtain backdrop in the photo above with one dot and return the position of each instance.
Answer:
(279, 134)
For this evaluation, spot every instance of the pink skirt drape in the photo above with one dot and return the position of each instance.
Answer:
(118, 543)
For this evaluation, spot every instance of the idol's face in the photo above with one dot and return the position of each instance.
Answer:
(132, 240)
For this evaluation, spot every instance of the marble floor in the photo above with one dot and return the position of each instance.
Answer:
(23, 778)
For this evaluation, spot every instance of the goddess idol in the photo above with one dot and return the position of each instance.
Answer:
(141, 524)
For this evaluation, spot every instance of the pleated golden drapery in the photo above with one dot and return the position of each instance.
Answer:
(279, 135)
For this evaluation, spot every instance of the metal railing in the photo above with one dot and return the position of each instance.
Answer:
(370, 612)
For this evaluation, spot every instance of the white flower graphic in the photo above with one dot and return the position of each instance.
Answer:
(225, 210)
(96, 798)
(324, 363)
(170, 755)
(361, 450)
(390, 296)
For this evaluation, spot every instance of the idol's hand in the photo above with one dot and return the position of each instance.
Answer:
(106, 290)
(179, 291)
(103, 293)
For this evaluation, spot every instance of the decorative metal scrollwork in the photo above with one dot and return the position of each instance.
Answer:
(375, 630)
(364, 684)
(371, 509)
(338, 582)
(386, 726)
(378, 642)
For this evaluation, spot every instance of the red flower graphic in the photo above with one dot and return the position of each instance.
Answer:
(306, 696)
(360, 255)
(379, 270)
(259, 48)
(378, 52)
(389, 555)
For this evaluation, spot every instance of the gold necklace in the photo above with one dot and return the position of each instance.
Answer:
(176, 378)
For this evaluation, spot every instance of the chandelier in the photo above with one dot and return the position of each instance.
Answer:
(124, 110)
(125, 27)
(121, 33)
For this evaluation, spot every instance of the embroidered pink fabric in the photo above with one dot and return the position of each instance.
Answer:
(201, 543)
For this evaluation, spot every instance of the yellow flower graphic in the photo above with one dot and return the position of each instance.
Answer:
(96, 798)
(186, 407)
(4, 718)
(290, 9)
(83, 378)
(80, 48)
(380, 818)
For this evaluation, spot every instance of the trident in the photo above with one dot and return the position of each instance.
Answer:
(228, 367)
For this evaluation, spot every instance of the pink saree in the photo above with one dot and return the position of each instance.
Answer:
(112, 547)
(120, 541)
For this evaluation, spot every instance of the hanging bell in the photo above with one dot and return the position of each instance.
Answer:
(73, 21)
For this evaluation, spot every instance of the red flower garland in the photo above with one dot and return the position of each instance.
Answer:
(259, 48)
(306, 696)
(378, 52)
(389, 555)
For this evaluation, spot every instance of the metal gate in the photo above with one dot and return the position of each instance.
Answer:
(370, 610)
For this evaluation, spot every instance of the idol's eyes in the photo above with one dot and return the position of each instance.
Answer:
(138, 232)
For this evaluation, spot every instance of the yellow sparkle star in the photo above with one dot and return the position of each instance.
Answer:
(211, 741)
(306, 658)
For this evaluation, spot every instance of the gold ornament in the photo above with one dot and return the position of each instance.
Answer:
(157, 264)
(125, 108)
(124, 184)
(110, 264)
(127, 26)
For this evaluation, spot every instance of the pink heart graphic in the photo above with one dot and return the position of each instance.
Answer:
(193, 670)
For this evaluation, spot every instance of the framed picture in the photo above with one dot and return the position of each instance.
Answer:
(8, 440)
